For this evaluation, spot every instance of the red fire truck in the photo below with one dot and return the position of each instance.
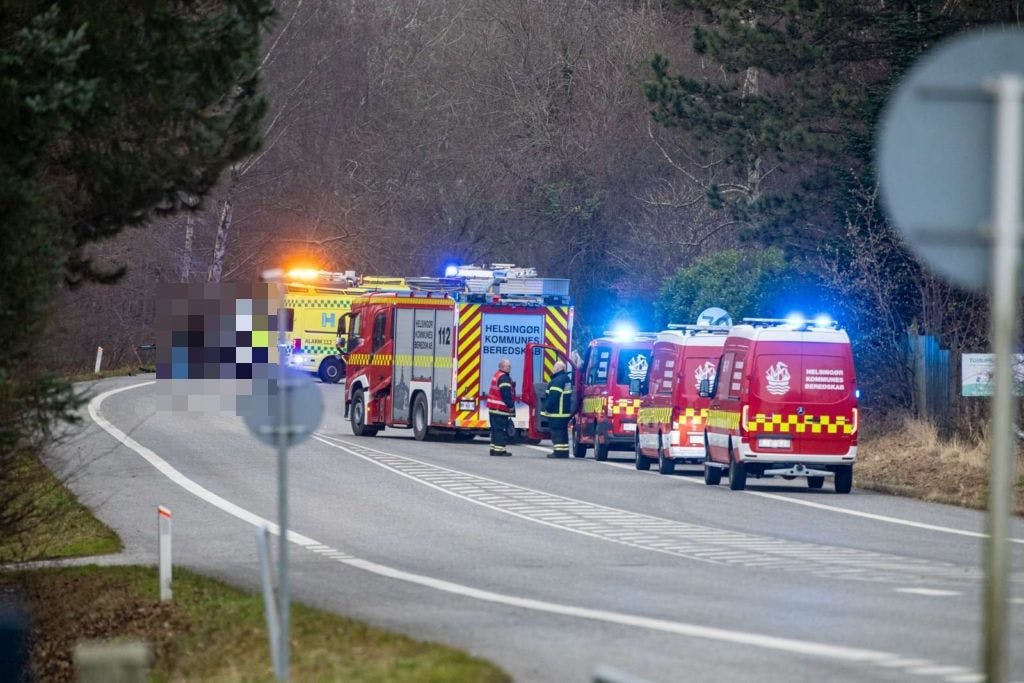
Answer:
(670, 420)
(783, 403)
(422, 359)
(607, 411)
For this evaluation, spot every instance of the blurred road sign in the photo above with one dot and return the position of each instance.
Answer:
(936, 150)
(303, 412)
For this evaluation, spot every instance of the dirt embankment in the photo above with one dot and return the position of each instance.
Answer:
(906, 457)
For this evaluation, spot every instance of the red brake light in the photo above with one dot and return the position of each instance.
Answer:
(743, 418)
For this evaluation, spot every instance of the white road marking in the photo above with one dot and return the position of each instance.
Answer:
(787, 645)
(657, 534)
(845, 511)
(931, 592)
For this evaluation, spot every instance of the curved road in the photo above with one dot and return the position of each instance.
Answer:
(552, 568)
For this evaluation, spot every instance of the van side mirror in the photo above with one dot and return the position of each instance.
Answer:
(704, 390)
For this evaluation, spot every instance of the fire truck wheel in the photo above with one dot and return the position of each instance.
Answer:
(737, 475)
(600, 451)
(815, 482)
(357, 413)
(419, 417)
(642, 463)
(331, 370)
(665, 465)
(844, 478)
(712, 475)
(579, 450)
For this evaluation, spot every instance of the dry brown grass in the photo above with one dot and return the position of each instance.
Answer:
(907, 457)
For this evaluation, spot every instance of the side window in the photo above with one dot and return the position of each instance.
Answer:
(379, 324)
(597, 365)
(736, 377)
(662, 373)
(354, 330)
(723, 375)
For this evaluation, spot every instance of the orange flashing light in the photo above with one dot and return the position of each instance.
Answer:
(302, 274)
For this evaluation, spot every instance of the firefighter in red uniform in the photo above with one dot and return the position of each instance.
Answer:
(501, 407)
(558, 409)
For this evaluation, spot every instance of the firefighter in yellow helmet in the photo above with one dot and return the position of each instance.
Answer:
(558, 406)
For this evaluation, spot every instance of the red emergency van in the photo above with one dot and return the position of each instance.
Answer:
(783, 403)
(670, 421)
(607, 413)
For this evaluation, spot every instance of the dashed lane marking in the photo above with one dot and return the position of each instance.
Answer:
(786, 645)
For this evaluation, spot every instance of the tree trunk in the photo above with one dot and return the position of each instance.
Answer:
(220, 246)
(186, 259)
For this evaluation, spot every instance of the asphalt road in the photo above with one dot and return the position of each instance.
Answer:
(553, 568)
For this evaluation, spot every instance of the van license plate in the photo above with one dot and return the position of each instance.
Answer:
(629, 427)
(773, 443)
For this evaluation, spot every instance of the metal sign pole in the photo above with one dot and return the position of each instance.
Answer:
(282, 494)
(1009, 91)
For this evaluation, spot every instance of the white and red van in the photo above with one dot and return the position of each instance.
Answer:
(607, 412)
(672, 414)
(783, 403)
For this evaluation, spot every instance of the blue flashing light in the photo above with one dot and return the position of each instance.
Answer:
(624, 331)
(451, 270)
(823, 320)
(856, 394)
(795, 320)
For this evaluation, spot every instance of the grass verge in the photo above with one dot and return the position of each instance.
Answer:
(906, 457)
(212, 631)
(53, 523)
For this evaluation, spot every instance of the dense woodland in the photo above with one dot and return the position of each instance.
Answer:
(664, 155)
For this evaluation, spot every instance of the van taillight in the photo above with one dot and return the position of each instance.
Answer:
(856, 418)
(743, 419)
(611, 404)
(296, 344)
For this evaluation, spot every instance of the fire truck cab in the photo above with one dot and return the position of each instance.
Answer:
(783, 403)
(423, 358)
(607, 412)
(670, 420)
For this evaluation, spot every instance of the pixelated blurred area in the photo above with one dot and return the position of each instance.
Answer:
(216, 341)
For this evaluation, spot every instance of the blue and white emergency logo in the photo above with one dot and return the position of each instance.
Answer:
(638, 367)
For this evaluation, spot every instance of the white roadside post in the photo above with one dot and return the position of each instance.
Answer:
(163, 517)
(99, 359)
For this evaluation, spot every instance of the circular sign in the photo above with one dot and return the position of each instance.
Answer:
(935, 152)
(304, 407)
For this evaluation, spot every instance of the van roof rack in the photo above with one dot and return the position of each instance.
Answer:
(800, 323)
(680, 327)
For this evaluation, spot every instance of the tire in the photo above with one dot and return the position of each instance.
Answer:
(331, 370)
(665, 465)
(712, 475)
(815, 482)
(642, 463)
(357, 416)
(579, 450)
(844, 479)
(419, 417)
(737, 475)
(600, 451)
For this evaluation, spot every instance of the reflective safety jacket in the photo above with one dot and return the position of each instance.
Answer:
(558, 401)
(501, 396)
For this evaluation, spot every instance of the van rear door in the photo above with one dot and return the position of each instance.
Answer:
(535, 386)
